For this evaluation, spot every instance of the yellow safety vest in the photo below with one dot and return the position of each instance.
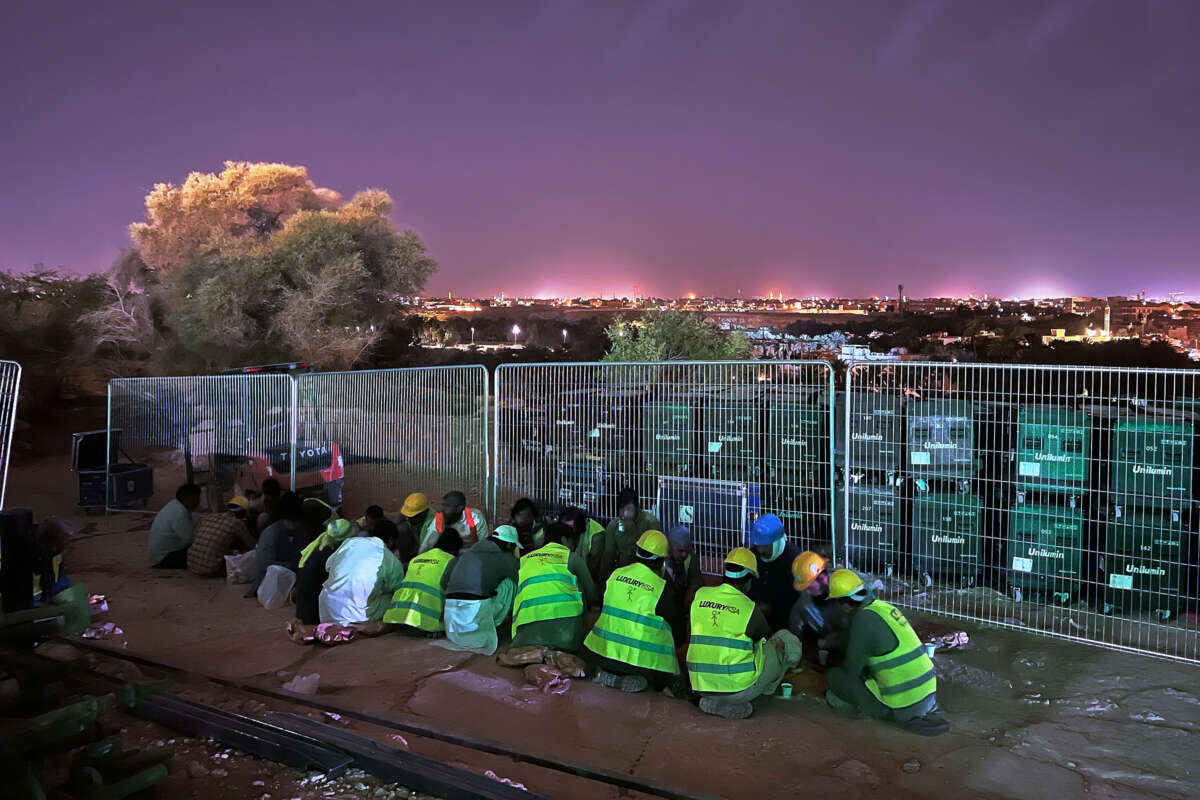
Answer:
(720, 656)
(546, 589)
(419, 601)
(628, 629)
(905, 675)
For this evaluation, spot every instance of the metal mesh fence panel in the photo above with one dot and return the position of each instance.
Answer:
(10, 389)
(1059, 500)
(398, 431)
(228, 433)
(709, 444)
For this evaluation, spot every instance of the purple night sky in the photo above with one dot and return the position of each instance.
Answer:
(583, 147)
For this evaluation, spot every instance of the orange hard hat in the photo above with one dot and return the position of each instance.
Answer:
(805, 569)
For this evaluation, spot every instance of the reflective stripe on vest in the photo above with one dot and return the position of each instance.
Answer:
(419, 601)
(720, 656)
(628, 629)
(546, 589)
(439, 525)
(905, 675)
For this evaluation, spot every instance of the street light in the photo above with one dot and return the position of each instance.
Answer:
(564, 336)
(516, 331)
(472, 335)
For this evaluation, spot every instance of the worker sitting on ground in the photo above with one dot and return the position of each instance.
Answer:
(363, 577)
(456, 515)
(815, 619)
(410, 526)
(886, 673)
(634, 639)
(524, 517)
(418, 604)
(772, 590)
(730, 660)
(370, 518)
(328, 531)
(281, 541)
(623, 532)
(591, 537)
(480, 591)
(554, 592)
(217, 536)
(263, 504)
(682, 566)
(171, 532)
(49, 543)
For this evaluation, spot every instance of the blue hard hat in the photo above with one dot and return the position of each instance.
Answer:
(767, 529)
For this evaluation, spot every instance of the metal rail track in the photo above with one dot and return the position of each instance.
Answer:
(598, 774)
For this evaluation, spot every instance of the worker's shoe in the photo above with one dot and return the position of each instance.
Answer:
(714, 706)
(626, 683)
(932, 724)
(838, 704)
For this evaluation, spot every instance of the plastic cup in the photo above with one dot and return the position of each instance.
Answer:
(930, 648)
(785, 689)
(822, 657)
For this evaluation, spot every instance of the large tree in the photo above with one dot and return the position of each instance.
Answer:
(258, 263)
(673, 336)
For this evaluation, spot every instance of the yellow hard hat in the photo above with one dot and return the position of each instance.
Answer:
(239, 502)
(742, 558)
(414, 504)
(845, 583)
(654, 543)
(805, 569)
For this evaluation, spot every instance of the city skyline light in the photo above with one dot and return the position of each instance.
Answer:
(582, 149)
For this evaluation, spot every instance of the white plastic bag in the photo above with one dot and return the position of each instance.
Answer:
(239, 568)
(276, 587)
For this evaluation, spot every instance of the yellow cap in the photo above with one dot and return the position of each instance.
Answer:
(805, 569)
(239, 502)
(654, 543)
(744, 560)
(844, 583)
(414, 504)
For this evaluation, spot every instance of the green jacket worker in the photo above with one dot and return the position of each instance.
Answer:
(730, 660)
(885, 673)
(634, 639)
(554, 592)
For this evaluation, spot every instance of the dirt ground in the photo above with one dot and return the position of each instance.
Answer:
(1032, 717)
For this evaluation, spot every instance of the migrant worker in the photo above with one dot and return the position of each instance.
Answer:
(418, 605)
(772, 590)
(363, 577)
(49, 544)
(263, 506)
(328, 533)
(414, 518)
(480, 591)
(730, 659)
(885, 672)
(815, 619)
(171, 531)
(640, 621)
(622, 533)
(591, 537)
(524, 517)
(370, 518)
(554, 592)
(682, 566)
(456, 515)
(217, 536)
(281, 541)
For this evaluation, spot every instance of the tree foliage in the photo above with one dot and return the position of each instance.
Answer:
(257, 263)
(673, 336)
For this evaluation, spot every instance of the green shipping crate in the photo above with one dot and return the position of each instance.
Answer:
(1045, 549)
(876, 432)
(945, 535)
(873, 528)
(941, 439)
(732, 434)
(1053, 445)
(1152, 463)
(668, 431)
(1143, 562)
